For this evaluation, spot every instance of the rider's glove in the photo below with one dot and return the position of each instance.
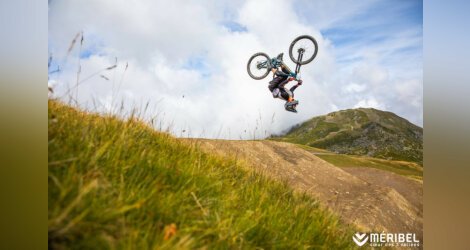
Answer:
(300, 82)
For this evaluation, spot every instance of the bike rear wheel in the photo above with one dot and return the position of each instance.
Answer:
(306, 44)
(258, 66)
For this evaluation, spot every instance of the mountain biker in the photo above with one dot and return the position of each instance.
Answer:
(276, 86)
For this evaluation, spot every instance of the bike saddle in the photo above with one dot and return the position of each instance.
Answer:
(279, 57)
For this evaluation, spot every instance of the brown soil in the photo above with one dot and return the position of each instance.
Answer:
(411, 190)
(374, 200)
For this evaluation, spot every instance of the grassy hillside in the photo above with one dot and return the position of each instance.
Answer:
(115, 184)
(361, 131)
(405, 168)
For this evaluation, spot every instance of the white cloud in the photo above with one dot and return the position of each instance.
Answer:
(354, 87)
(410, 91)
(370, 73)
(193, 69)
(371, 102)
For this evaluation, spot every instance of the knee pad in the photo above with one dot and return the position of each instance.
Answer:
(276, 92)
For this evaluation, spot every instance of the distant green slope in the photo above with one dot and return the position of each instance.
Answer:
(361, 131)
(115, 184)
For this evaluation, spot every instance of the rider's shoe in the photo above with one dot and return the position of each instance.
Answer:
(293, 102)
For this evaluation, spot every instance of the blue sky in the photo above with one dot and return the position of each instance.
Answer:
(370, 55)
(375, 25)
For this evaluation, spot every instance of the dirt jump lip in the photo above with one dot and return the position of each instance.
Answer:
(371, 206)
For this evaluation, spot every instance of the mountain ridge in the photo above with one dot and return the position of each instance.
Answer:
(360, 131)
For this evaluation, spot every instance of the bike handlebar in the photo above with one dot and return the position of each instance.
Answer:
(276, 62)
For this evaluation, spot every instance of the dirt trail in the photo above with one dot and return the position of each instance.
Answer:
(411, 190)
(372, 206)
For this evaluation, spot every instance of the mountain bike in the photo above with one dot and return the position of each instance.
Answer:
(301, 51)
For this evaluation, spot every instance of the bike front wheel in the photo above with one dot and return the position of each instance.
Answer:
(258, 66)
(306, 45)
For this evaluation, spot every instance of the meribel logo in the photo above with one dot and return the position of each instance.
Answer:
(360, 239)
(387, 239)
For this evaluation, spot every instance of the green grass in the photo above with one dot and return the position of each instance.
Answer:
(312, 149)
(118, 184)
(303, 135)
(410, 169)
(405, 168)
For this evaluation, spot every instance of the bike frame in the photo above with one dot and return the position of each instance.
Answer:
(276, 62)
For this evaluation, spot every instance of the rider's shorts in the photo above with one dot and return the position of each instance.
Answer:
(284, 95)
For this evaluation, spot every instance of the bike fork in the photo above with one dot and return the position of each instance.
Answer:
(299, 59)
